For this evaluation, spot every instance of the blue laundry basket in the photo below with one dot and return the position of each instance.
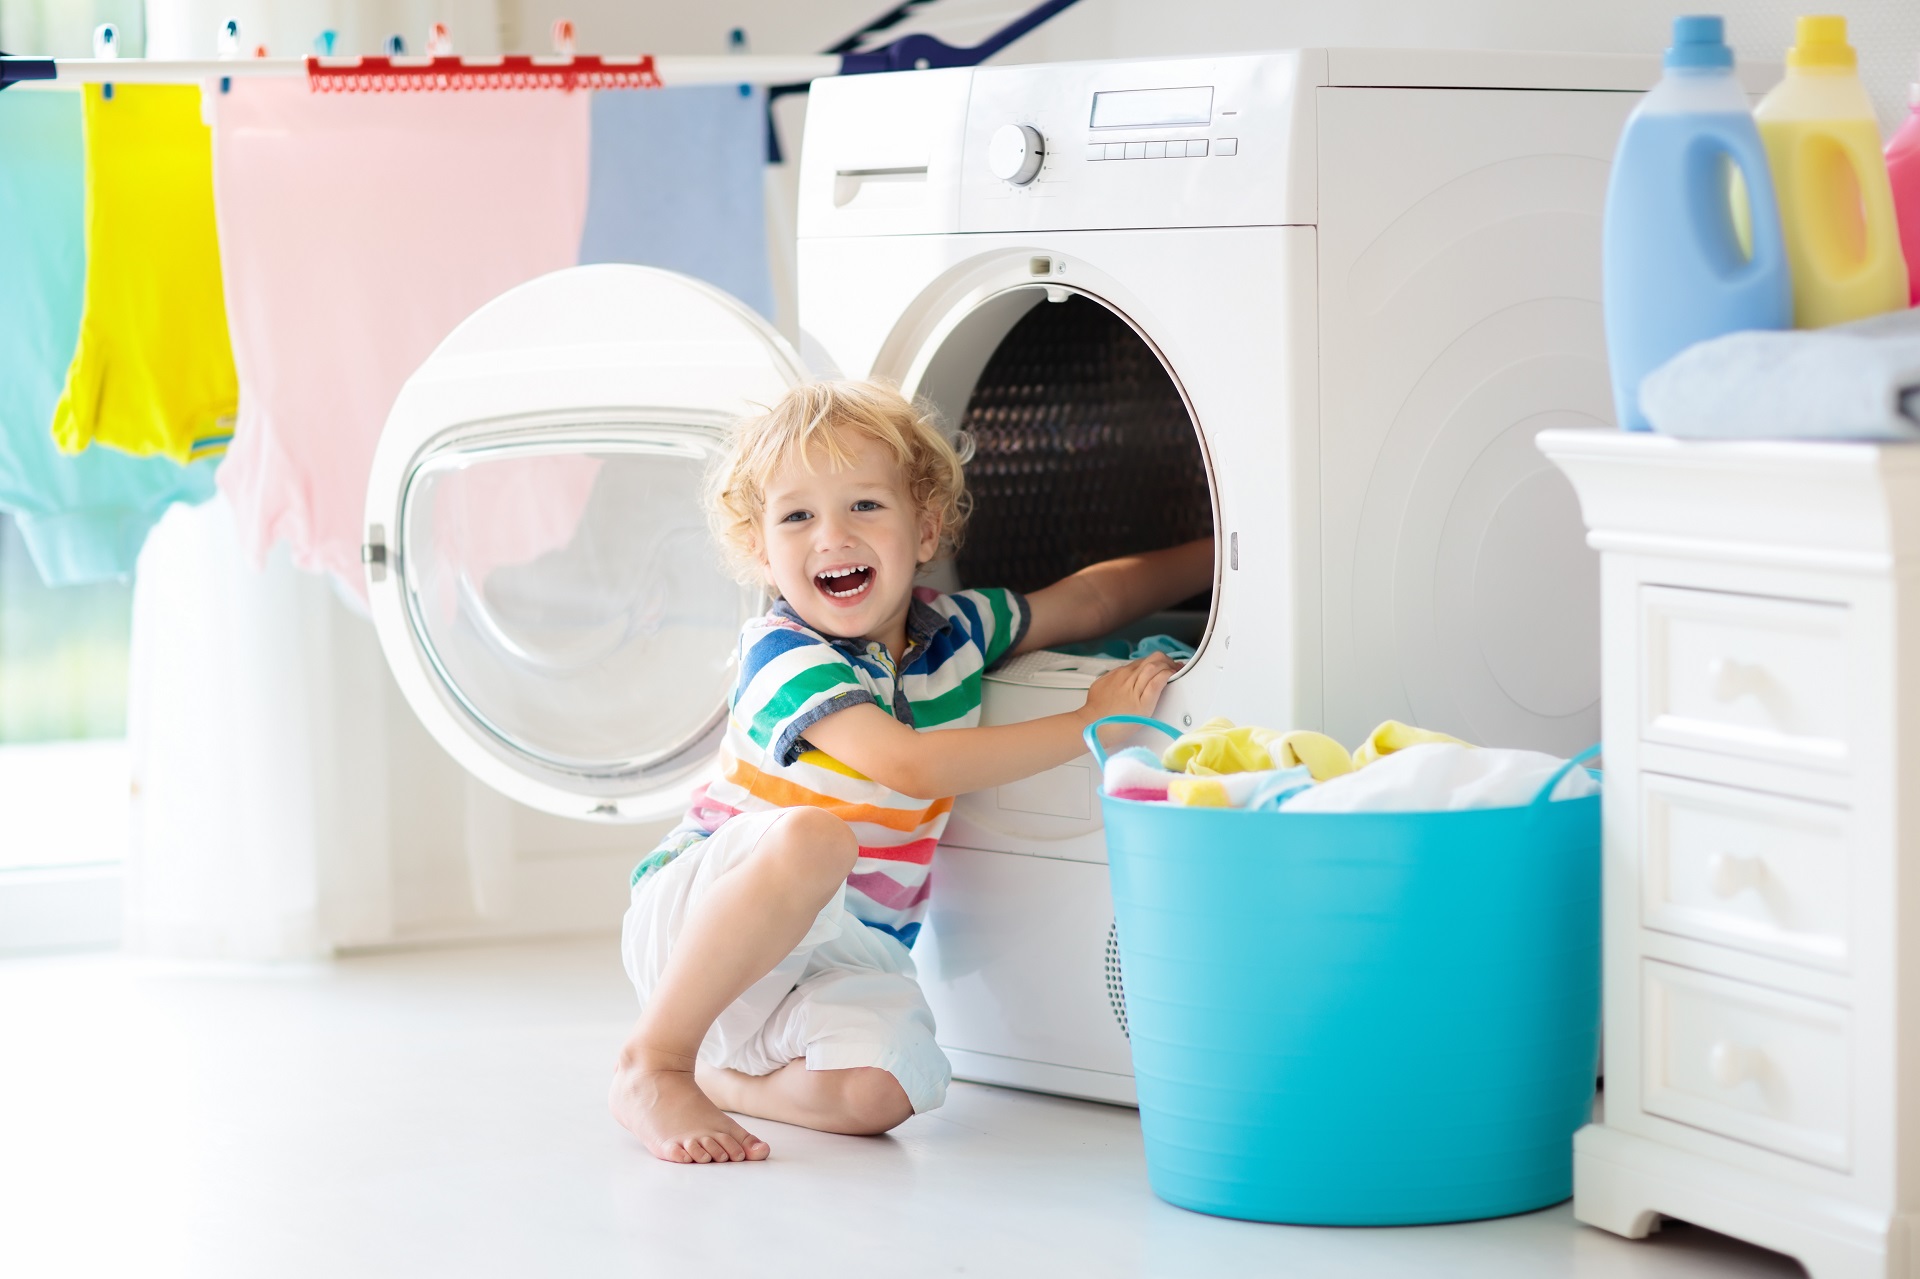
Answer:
(1359, 1018)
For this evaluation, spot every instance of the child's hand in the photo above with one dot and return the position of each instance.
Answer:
(1133, 689)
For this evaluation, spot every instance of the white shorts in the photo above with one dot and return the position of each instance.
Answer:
(845, 998)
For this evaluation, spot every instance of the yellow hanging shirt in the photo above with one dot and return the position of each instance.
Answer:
(153, 372)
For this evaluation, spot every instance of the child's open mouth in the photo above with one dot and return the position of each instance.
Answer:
(845, 583)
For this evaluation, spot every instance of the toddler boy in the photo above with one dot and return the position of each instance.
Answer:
(769, 934)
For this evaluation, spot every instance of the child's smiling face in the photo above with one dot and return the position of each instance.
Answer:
(842, 544)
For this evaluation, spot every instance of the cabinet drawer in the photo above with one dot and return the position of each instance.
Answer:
(1745, 674)
(1745, 869)
(1757, 1065)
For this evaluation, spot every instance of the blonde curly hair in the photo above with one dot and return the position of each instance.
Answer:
(820, 415)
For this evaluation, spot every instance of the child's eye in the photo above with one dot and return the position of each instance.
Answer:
(866, 504)
(795, 517)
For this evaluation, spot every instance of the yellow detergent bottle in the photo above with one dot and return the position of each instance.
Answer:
(1836, 205)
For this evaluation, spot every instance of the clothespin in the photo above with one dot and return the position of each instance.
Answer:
(396, 46)
(226, 46)
(439, 43)
(324, 42)
(563, 37)
(106, 44)
(737, 43)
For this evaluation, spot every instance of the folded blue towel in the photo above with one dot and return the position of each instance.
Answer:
(1858, 381)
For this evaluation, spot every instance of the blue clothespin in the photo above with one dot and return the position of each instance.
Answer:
(106, 44)
(226, 46)
(737, 43)
(396, 47)
(324, 42)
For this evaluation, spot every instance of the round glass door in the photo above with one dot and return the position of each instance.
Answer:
(568, 595)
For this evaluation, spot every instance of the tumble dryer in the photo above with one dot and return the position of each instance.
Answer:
(1314, 303)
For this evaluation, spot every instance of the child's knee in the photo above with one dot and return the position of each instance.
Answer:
(871, 1101)
(814, 840)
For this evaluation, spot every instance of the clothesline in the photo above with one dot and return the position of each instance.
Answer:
(504, 71)
(562, 69)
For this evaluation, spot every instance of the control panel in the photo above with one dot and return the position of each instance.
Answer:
(1047, 147)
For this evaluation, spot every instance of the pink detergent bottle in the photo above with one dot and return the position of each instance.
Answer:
(1903, 168)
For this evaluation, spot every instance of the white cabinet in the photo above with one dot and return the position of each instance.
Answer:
(1760, 608)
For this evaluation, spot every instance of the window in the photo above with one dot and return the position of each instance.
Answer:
(63, 756)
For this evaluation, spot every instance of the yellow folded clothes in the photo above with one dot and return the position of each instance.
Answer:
(1394, 736)
(1199, 792)
(1218, 747)
(1322, 756)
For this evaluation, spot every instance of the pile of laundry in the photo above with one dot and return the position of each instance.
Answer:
(1398, 768)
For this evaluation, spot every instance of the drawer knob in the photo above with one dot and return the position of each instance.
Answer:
(1731, 874)
(1731, 1065)
(1729, 680)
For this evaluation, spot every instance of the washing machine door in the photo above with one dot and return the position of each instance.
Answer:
(539, 567)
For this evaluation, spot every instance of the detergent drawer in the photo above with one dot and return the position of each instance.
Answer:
(1018, 965)
(1051, 814)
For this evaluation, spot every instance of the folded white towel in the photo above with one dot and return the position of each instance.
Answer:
(1858, 381)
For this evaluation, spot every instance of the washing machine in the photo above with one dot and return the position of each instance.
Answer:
(1314, 304)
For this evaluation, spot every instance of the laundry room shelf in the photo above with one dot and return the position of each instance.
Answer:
(1761, 941)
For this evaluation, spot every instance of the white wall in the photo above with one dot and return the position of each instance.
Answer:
(1887, 32)
(187, 28)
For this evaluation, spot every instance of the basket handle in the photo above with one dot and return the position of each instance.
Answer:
(1092, 733)
(1546, 792)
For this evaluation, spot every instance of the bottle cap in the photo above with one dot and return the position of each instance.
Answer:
(1820, 43)
(1699, 40)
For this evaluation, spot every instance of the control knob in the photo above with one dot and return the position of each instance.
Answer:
(1015, 153)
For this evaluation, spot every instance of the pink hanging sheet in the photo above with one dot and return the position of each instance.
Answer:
(356, 230)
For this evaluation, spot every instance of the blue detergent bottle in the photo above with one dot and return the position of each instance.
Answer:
(1675, 258)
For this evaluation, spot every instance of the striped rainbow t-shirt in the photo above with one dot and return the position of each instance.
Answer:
(791, 676)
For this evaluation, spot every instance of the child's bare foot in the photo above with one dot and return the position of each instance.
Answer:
(655, 1098)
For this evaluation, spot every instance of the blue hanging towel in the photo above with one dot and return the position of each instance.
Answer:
(676, 181)
(83, 518)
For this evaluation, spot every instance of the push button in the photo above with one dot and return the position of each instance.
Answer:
(1226, 146)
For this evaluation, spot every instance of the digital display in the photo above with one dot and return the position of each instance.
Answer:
(1150, 108)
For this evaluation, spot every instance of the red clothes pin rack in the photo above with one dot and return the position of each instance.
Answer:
(510, 71)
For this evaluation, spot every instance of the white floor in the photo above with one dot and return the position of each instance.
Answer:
(442, 1113)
